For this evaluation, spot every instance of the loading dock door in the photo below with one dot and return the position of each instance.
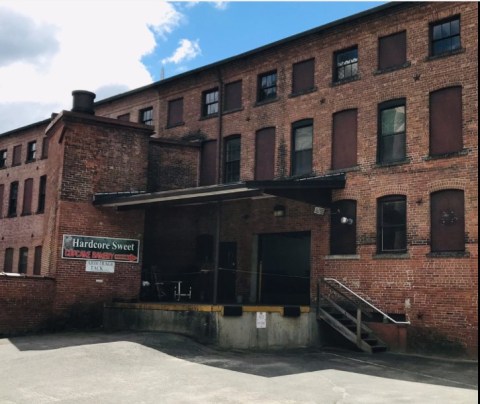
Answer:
(284, 268)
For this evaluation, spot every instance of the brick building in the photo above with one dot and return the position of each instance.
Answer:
(347, 153)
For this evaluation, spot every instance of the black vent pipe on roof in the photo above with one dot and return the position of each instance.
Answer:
(83, 102)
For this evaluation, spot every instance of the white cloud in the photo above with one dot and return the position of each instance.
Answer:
(59, 46)
(187, 50)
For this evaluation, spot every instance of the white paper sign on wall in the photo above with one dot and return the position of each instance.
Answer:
(261, 320)
(100, 266)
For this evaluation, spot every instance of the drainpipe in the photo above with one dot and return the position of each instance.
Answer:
(219, 181)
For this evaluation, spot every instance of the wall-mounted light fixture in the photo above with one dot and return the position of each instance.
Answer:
(346, 220)
(279, 211)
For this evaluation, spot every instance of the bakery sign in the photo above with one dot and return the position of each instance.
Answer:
(100, 248)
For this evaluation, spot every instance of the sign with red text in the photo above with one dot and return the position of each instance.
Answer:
(100, 248)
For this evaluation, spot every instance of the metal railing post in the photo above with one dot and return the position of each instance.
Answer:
(359, 326)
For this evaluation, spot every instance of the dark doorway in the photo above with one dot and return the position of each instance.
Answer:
(284, 268)
(227, 263)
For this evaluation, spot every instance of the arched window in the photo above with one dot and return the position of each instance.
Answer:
(392, 224)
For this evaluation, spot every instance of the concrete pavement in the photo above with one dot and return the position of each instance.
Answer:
(147, 367)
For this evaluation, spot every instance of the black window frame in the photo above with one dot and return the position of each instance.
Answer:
(42, 192)
(3, 158)
(337, 68)
(232, 159)
(447, 37)
(146, 116)
(13, 199)
(385, 106)
(382, 226)
(8, 260)
(210, 107)
(23, 260)
(267, 90)
(295, 170)
(31, 151)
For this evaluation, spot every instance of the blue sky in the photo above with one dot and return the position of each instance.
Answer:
(48, 48)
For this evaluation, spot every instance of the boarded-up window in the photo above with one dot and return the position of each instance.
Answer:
(446, 121)
(27, 197)
(2, 193)
(13, 199)
(392, 50)
(23, 260)
(8, 262)
(233, 96)
(343, 227)
(447, 209)
(42, 192)
(344, 139)
(303, 76)
(37, 263)
(208, 164)
(124, 117)
(175, 112)
(265, 154)
(45, 147)
(391, 131)
(392, 224)
(302, 147)
(17, 155)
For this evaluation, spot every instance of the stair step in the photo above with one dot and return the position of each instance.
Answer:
(379, 348)
(371, 341)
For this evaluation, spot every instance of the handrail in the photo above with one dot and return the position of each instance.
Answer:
(368, 303)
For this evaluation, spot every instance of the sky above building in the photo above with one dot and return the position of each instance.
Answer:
(48, 48)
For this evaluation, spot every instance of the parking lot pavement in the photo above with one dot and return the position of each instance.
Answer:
(145, 367)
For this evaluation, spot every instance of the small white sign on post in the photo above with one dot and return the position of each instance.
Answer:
(261, 320)
(100, 266)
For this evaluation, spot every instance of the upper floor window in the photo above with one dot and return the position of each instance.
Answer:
(146, 116)
(391, 131)
(2, 191)
(447, 211)
(37, 262)
(8, 260)
(446, 121)
(175, 112)
(343, 228)
(265, 154)
(27, 197)
(445, 36)
(42, 192)
(233, 96)
(23, 260)
(13, 199)
(344, 139)
(210, 102)
(267, 86)
(45, 144)
(3, 158)
(17, 155)
(31, 151)
(346, 64)
(232, 159)
(392, 224)
(392, 50)
(302, 145)
(303, 76)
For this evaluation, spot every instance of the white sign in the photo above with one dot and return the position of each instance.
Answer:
(100, 266)
(261, 320)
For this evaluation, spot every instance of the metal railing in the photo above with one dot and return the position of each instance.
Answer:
(385, 316)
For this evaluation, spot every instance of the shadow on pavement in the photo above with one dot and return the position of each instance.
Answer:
(437, 371)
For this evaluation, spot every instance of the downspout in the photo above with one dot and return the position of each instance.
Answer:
(219, 181)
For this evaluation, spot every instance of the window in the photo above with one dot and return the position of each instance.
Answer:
(232, 159)
(302, 143)
(2, 192)
(210, 102)
(17, 155)
(346, 64)
(447, 218)
(23, 260)
(175, 112)
(3, 158)
(124, 117)
(208, 163)
(265, 154)
(233, 96)
(42, 192)
(392, 51)
(303, 77)
(45, 144)
(8, 262)
(392, 224)
(27, 197)
(445, 36)
(12, 201)
(446, 121)
(31, 151)
(391, 131)
(37, 261)
(146, 116)
(344, 139)
(267, 86)
(343, 228)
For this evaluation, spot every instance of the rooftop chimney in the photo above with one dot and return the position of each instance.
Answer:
(83, 102)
